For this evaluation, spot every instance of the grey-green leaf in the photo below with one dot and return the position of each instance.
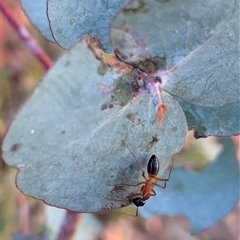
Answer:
(209, 76)
(36, 12)
(70, 21)
(212, 121)
(67, 139)
(203, 70)
(167, 30)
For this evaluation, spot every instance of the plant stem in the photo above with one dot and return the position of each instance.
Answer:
(69, 225)
(24, 34)
(23, 213)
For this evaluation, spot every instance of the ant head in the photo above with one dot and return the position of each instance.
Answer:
(138, 202)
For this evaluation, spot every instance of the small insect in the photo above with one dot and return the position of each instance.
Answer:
(147, 186)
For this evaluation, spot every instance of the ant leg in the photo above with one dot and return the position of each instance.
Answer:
(128, 197)
(131, 214)
(164, 186)
(126, 184)
(164, 179)
(153, 192)
(169, 174)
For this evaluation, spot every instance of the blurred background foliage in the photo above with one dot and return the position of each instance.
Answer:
(20, 73)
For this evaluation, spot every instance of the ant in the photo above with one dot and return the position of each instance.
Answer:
(147, 186)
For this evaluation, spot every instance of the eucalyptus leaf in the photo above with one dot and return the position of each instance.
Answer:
(167, 31)
(73, 20)
(67, 139)
(36, 12)
(209, 76)
(212, 121)
(197, 42)
(205, 197)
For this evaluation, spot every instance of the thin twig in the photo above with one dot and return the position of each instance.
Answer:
(69, 225)
(23, 213)
(24, 34)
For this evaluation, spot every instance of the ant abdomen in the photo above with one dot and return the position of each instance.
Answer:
(153, 166)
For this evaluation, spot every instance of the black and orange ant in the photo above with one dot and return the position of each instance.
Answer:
(147, 190)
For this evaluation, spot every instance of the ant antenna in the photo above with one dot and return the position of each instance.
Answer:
(134, 157)
(136, 213)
